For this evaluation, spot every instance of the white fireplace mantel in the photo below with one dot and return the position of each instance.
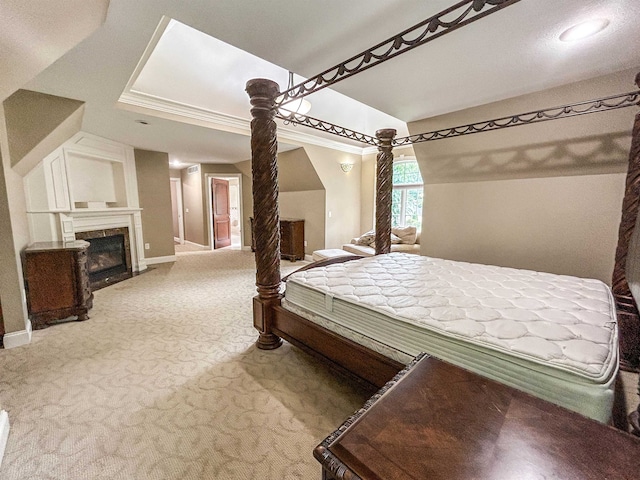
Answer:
(74, 222)
(88, 183)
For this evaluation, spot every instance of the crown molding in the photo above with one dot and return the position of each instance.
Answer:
(369, 150)
(172, 110)
(396, 150)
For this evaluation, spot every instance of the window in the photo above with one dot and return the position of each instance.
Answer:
(406, 207)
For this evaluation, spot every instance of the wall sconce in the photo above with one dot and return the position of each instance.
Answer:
(346, 167)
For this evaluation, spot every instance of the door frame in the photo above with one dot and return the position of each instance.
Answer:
(178, 182)
(224, 176)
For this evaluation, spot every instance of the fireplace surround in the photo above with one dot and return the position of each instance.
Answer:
(87, 185)
(109, 255)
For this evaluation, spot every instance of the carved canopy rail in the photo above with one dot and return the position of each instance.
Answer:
(612, 102)
(328, 127)
(554, 113)
(265, 99)
(454, 17)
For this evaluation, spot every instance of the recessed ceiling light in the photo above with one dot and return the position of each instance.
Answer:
(142, 122)
(584, 30)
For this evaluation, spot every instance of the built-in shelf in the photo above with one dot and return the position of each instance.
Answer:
(88, 183)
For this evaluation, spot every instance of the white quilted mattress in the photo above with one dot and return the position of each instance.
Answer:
(551, 335)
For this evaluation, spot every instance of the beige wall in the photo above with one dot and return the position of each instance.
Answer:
(307, 205)
(368, 192)
(152, 171)
(545, 196)
(38, 123)
(302, 195)
(296, 172)
(342, 190)
(194, 230)
(564, 225)
(316, 168)
(14, 236)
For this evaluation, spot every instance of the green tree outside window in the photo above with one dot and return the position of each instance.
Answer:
(407, 195)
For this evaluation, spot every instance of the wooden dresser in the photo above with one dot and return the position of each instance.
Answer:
(57, 281)
(291, 238)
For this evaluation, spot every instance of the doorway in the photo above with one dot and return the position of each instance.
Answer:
(221, 213)
(225, 210)
(176, 210)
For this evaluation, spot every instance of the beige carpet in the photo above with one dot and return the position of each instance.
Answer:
(163, 382)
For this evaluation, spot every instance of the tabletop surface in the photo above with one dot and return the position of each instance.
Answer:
(439, 421)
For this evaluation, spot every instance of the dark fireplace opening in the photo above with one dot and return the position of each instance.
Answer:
(109, 256)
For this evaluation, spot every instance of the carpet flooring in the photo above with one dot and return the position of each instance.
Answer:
(164, 382)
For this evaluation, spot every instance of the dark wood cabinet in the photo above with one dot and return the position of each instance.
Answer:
(291, 238)
(436, 420)
(57, 281)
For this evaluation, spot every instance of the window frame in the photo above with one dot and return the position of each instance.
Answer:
(403, 188)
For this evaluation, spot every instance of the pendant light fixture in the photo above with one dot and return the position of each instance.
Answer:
(299, 106)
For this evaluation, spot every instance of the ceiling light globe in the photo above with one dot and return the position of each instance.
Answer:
(298, 106)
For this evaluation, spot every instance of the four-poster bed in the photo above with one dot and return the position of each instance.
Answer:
(377, 365)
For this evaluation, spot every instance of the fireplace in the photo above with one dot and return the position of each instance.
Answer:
(109, 256)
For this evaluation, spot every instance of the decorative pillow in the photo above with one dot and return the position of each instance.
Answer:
(366, 238)
(406, 234)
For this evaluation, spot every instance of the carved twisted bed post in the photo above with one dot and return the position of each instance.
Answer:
(626, 307)
(628, 319)
(266, 221)
(384, 190)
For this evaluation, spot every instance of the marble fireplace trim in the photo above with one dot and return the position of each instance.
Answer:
(72, 222)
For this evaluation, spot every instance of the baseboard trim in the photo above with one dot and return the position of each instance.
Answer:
(196, 244)
(308, 258)
(19, 338)
(4, 432)
(166, 259)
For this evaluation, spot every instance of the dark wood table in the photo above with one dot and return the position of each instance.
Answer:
(438, 421)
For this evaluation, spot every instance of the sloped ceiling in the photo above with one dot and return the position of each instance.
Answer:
(513, 52)
(35, 34)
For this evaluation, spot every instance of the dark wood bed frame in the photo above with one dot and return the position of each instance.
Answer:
(274, 323)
